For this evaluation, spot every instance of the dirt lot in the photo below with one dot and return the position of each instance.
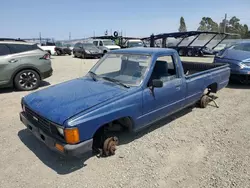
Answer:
(194, 148)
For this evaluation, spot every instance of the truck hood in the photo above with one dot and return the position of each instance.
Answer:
(59, 102)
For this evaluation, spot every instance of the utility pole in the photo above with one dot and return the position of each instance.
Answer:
(40, 37)
(225, 23)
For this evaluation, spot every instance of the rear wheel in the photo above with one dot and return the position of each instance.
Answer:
(27, 80)
(181, 52)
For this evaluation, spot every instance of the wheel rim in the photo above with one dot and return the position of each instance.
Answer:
(181, 53)
(28, 80)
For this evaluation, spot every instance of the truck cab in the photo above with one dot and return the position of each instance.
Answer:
(105, 45)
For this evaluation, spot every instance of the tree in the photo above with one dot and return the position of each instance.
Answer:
(182, 27)
(234, 26)
(207, 24)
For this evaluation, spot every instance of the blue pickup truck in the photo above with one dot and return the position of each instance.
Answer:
(127, 89)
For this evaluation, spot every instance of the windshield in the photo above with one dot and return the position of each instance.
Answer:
(128, 69)
(135, 44)
(108, 42)
(88, 45)
(59, 44)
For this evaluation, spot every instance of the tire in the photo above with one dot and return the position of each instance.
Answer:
(204, 101)
(190, 53)
(83, 56)
(181, 52)
(27, 80)
(58, 52)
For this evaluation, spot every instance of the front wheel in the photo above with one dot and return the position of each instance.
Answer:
(27, 80)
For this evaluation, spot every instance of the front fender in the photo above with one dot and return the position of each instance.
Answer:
(89, 122)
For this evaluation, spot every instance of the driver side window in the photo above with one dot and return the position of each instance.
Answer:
(100, 43)
(164, 69)
(95, 43)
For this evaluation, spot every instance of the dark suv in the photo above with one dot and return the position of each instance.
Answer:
(23, 65)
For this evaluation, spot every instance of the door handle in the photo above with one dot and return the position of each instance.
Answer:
(13, 60)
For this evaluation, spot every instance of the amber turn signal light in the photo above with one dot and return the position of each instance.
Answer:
(71, 135)
(59, 147)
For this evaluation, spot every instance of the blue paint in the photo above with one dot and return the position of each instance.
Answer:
(236, 57)
(88, 105)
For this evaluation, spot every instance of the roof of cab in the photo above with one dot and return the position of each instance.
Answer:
(142, 50)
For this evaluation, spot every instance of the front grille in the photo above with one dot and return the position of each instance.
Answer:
(43, 124)
(38, 120)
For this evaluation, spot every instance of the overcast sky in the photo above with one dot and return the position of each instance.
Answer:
(54, 18)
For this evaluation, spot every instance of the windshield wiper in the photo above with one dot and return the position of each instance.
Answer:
(93, 75)
(115, 81)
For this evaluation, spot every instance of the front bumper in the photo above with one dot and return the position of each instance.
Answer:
(50, 142)
(47, 74)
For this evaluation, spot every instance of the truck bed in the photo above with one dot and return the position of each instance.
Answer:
(191, 68)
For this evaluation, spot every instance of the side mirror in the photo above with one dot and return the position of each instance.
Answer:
(157, 83)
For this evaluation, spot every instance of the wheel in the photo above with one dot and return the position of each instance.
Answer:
(69, 53)
(190, 53)
(27, 80)
(181, 52)
(58, 52)
(83, 55)
(204, 101)
(104, 143)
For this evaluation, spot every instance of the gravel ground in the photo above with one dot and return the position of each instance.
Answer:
(194, 148)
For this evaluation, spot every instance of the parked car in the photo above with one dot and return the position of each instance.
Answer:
(86, 50)
(62, 49)
(127, 89)
(238, 58)
(132, 43)
(70, 46)
(105, 45)
(23, 65)
(48, 47)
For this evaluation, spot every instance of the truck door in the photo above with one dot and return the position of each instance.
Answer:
(167, 99)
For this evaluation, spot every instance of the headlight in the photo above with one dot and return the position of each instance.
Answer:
(60, 130)
(88, 52)
(242, 66)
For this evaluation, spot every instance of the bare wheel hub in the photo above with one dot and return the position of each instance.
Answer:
(109, 146)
